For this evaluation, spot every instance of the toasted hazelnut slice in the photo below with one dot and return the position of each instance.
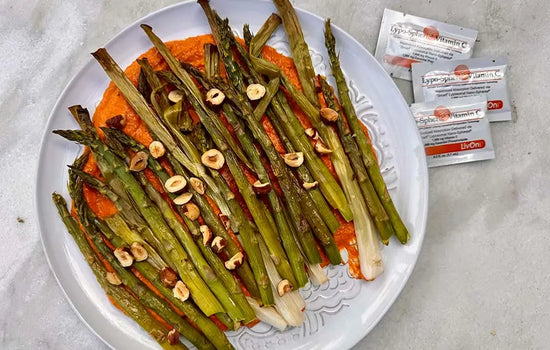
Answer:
(168, 277)
(310, 132)
(310, 185)
(321, 148)
(215, 97)
(261, 187)
(183, 198)
(113, 278)
(175, 96)
(213, 159)
(225, 221)
(218, 243)
(173, 337)
(255, 91)
(180, 291)
(294, 159)
(197, 185)
(175, 184)
(139, 161)
(124, 257)
(139, 252)
(329, 114)
(192, 211)
(156, 148)
(116, 122)
(283, 287)
(206, 234)
(235, 261)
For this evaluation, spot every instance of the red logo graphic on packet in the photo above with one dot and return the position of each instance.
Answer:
(442, 113)
(462, 71)
(431, 32)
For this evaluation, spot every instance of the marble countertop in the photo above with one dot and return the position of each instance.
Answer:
(479, 282)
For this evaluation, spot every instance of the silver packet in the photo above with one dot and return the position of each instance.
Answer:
(454, 130)
(463, 78)
(405, 39)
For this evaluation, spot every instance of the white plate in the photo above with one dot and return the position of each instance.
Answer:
(339, 313)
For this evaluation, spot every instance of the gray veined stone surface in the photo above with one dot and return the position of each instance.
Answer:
(481, 279)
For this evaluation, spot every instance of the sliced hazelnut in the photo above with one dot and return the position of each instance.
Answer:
(139, 161)
(329, 114)
(192, 211)
(215, 97)
(168, 277)
(321, 148)
(294, 159)
(180, 291)
(218, 243)
(173, 337)
(283, 287)
(157, 149)
(206, 234)
(261, 187)
(183, 198)
(310, 132)
(175, 184)
(255, 91)
(116, 122)
(139, 252)
(197, 185)
(235, 261)
(225, 221)
(310, 185)
(124, 257)
(213, 159)
(175, 96)
(113, 278)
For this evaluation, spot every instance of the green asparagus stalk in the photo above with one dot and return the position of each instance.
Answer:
(209, 328)
(205, 270)
(199, 290)
(367, 153)
(207, 212)
(131, 307)
(292, 190)
(263, 35)
(376, 210)
(253, 203)
(299, 49)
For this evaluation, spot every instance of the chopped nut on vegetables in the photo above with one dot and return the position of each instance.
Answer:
(116, 122)
(329, 114)
(213, 159)
(139, 161)
(192, 211)
(310, 132)
(139, 252)
(255, 91)
(113, 278)
(183, 198)
(174, 337)
(310, 185)
(156, 148)
(218, 243)
(235, 261)
(197, 185)
(321, 148)
(175, 184)
(215, 97)
(180, 291)
(283, 287)
(175, 96)
(294, 159)
(261, 188)
(168, 277)
(206, 234)
(123, 256)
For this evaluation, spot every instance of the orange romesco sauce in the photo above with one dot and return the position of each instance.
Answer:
(191, 51)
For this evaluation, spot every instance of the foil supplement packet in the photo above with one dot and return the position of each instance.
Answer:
(463, 78)
(454, 130)
(405, 39)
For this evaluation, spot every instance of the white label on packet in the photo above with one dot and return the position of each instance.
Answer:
(454, 130)
(405, 39)
(463, 78)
